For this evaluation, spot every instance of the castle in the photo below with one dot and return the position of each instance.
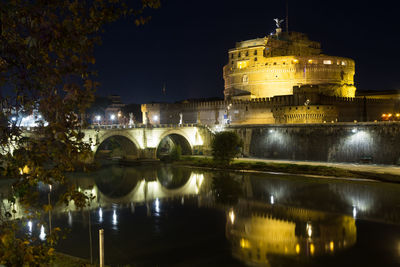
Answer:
(281, 79)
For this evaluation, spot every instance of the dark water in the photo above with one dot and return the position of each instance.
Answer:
(164, 216)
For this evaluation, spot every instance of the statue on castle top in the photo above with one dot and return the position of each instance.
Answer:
(278, 22)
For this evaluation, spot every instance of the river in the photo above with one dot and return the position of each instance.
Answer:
(170, 216)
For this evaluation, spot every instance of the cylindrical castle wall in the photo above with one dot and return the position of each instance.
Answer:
(268, 77)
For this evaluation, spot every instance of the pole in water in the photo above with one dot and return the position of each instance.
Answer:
(90, 238)
(101, 247)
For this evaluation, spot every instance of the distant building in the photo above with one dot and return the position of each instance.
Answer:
(113, 113)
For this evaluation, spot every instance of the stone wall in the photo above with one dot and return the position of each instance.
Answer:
(339, 142)
(305, 106)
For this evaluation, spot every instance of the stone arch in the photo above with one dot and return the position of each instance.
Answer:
(177, 137)
(128, 146)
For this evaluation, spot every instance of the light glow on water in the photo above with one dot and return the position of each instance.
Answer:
(114, 218)
(100, 215)
(232, 216)
(354, 212)
(30, 227)
(157, 206)
(42, 235)
(69, 218)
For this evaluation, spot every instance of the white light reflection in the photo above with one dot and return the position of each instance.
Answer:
(272, 200)
(354, 212)
(157, 205)
(132, 207)
(100, 215)
(114, 218)
(42, 235)
(69, 218)
(30, 227)
(232, 216)
(309, 230)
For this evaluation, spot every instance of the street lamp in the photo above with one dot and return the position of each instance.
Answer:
(98, 118)
(112, 117)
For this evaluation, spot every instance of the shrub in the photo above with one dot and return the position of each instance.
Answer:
(176, 153)
(225, 146)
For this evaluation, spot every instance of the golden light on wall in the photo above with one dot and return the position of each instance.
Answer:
(244, 243)
(297, 248)
(312, 249)
(331, 246)
(242, 64)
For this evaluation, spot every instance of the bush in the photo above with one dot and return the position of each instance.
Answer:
(176, 153)
(225, 146)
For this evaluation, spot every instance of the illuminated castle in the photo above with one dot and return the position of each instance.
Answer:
(282, 78)
(273, 65)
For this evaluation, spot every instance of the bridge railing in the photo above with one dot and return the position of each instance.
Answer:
(126, 126)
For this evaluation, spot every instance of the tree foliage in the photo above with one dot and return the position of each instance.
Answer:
(46, 62)
(225, 146)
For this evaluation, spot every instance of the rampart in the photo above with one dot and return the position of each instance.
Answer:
(305, 106)
(329, 142)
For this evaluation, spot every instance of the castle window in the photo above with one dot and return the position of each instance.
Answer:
(232, 55)
(232, 63)
(344, 63)
(247, 53)
(317, 107)
(274, 63)
(255, 52)
(240, 54)
(247, 108)
(242, 64)
(295, 61)
(266, 64)
(310, 61)
(284, 63)
(327, 62)
(255, 59)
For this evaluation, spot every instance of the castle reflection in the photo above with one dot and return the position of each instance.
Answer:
(259, 232)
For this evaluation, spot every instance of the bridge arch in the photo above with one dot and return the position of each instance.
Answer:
(172, 138)
(120, 143)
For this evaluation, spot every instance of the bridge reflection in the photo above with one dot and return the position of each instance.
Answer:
(116, 185)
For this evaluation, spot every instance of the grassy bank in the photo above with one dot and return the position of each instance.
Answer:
(64, 260)
(287, 168)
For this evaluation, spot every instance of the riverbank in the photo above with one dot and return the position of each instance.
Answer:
(304, 168)
(64, 260)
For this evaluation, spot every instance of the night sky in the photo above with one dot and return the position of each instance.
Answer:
(185, 44)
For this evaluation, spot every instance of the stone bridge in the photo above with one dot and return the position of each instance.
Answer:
(148, 142)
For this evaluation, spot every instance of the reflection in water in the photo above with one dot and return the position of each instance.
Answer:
(100, 215)
(261, 232)
(69, 218)
(29, 227)
(114, 219)
(267, 216)
(227, 189)
(42, 234)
